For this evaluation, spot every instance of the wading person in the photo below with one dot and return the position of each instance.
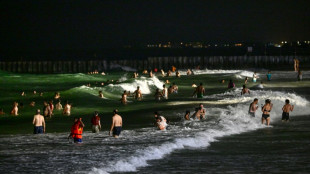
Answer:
(164, 92)
(95, 121)
(124, 97)
(77, 130)
(286, 110)
(266, 109)
(160, 121)
(117, 124)
(253, 107)
(245, 90)
(200, 91)
(138, 93)
(39, 123)
(14, 110)
(47, 112)
(67, 109)
(200, 112)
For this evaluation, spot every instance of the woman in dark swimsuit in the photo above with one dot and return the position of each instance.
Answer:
(266, 112)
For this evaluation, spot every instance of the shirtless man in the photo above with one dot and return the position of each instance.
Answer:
(189, 72)
(47, 112)
(200, 112)
(200, 91)
(157, 95)
(138, 93)
(117, 124)
(14, 111)
(165, 92)
(253, 107)
(124, 97)
(67, 109)
(39, 123)
(286, 111)
(161, 121)
(266, 109)
(58, 106)
(245, 90)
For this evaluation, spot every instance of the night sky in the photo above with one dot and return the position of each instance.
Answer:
(61, 24)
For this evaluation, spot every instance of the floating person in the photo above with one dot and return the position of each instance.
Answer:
(161, 121)
(269, 76)
(1, 112)
(286, 111)
(200, 91)
(157, 95)
(51, 107)
(296, 64)
(124, 97)
(177, 74)
(57, 96)
(117, 124)
(77, 130)
(175, 88)
(266, 109)
(95, 121)
(47, 110)
(200, 112)
(245, 90)
(253, 107)
(254, 77)
(58, 105)
(39, 123)
(246, 80)
(188, 72)
(231, 84)
(100, 94)
(138, 94)
(14, 110)
(187, 115)
(165, 92)
(162, 72)
(67, 109)
(151, 74)
(299, 76)
(32, 104)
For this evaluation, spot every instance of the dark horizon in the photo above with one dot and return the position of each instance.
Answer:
(93, 25)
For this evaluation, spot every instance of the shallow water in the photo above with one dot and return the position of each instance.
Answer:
(228, 141)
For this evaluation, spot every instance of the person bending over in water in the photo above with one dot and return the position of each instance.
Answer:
(266, 109)
(165, 92)
(253, 107)
(95, 121)
(245, 90)
(187, 115)
(161, 121)
(117, 124)
(231, 84)
(67, 109)
(200, 112)
(100, 94)
(138, 93)
(158, 95)
(14, 110)
(124, 97)
(77, 130)
(58, 105)
(200, 91)
(39, 123)
(286, 110)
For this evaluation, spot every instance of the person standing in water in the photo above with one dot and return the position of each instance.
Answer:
(77, 130)
(200, 91)
(269, 76)
(175, 88)
(158, 95)
(100, 94)
(231, 84)
(161, 121)
(95, 121)
(117, 124)
(67, 109)
(47, 110)
(286, 111)
(296, 65)
(138, 93)
(266, 109)
(200, 112)
(254, 77)
(245, 90)
(253, 107)
(124, 97)
(39, 123)
(14, 110)
(165, 92)
(58, 105)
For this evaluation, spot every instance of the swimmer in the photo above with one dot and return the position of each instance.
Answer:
(200, 112)
(266, 109)
(299, 76)
(14, 110)
(254, 77)
(67, 109)
(39, 123)
(1, 112)
(158, 95)
(58, 105)
(117, 124)
(253, 107)
(161, 121)
(100, 94)
(57, 95)
(200, 91)
(124, 97)
(286, 111)
(47, 110)
(187, 115)
(269, 76)
(175, 88)
(165, 92)
(95, 121)
(32, 104)
(245, 90)
(188, 72)
(231, 84)
(162, 72)
(178, 74)
(138, 94)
